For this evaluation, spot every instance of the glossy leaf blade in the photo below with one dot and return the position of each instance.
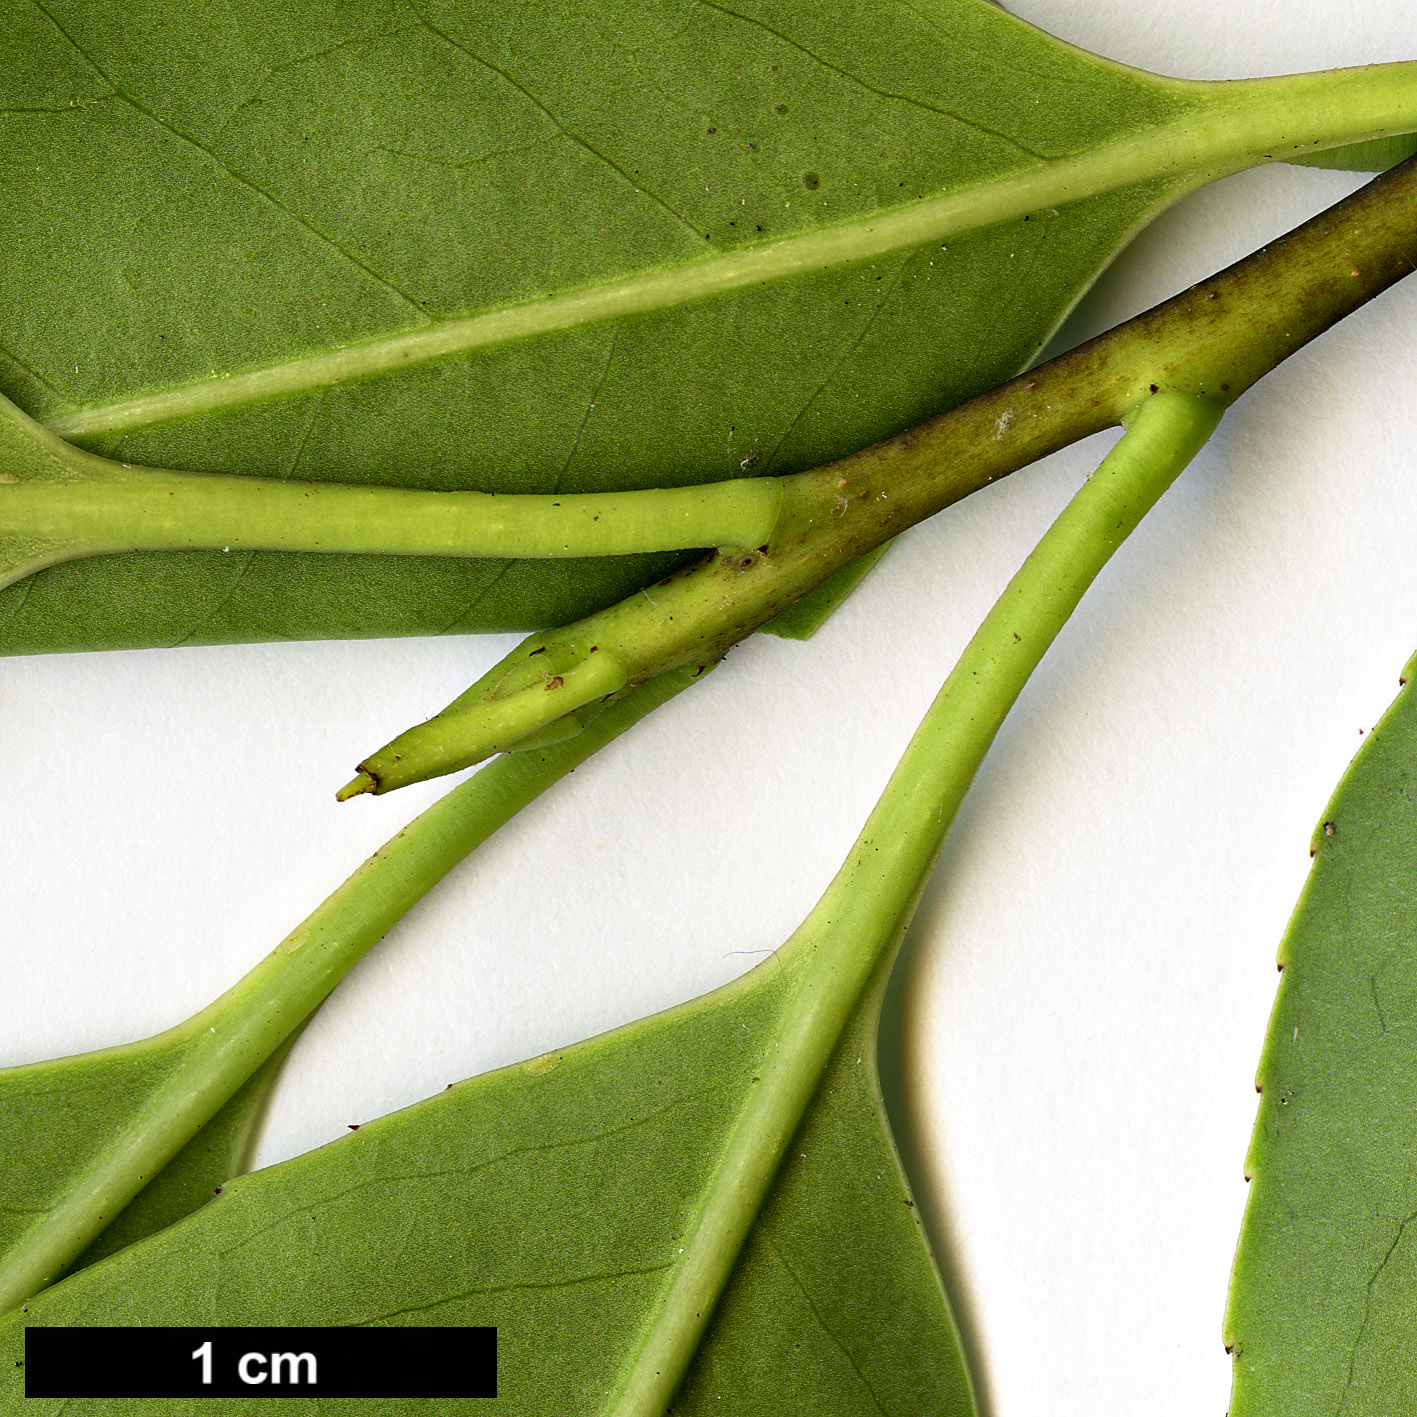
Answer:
(321, 183)
(1323, 1301)
(549, 1199)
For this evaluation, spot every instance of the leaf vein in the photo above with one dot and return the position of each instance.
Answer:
(1368, 1311)
(822, 1323)
(590, 408)
(250, 556)
(19, 604)
(463, 164)
(280, 1220)
(243, 179)
(512, 1288)
(299, 60)
(890, 95)
(578, 139)
(58, 109)
(836, 368)
(517, 1152)
(247, 559)
(34, 374)
(476, 599)
(1054, 77)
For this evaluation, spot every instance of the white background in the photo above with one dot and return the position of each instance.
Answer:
(1083, 998)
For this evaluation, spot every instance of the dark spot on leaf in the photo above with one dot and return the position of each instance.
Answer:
(1154, 388)
(811, 181)
(541, 649)
(555, 682)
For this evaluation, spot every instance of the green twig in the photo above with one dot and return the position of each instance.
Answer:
(1213, 341)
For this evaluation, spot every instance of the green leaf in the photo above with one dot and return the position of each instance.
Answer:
(1324, 1293)
(293, 201)
(551, 1200)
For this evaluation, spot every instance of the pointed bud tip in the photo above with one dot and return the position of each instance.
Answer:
(358, 784)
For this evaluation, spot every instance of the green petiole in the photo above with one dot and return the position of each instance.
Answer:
(865, 910)
(59, 503)
(1213, 341)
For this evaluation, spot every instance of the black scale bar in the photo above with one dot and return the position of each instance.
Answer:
(261, 1362)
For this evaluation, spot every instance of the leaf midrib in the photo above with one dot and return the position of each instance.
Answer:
(1216, 129)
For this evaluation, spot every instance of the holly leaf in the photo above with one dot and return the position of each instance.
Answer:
(1324, 1293)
